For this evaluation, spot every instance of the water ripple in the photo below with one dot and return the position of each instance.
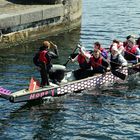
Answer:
(109, 113)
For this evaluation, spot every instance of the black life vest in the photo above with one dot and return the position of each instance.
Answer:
(115, 62)
(130, 54)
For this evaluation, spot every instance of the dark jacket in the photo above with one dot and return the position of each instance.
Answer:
(49, 55)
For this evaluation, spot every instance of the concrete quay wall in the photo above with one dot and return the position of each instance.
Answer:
(25, 23)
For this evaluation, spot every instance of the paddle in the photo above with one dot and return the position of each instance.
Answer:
(135, 67)
(118, 74)
(122, 76)
(69, 58)
(115, 72)
(134, 62)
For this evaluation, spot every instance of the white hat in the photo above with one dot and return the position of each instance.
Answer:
(114, 47)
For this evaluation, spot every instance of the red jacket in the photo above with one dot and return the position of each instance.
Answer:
(132, 50)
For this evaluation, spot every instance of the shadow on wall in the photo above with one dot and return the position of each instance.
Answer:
(27, 2)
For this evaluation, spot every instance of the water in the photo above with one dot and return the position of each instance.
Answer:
(109, 113)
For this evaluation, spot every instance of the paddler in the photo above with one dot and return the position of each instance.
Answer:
(119, 46)
(82, 58)
(116, 59)
(97, 46)
(132, 51)
(42, 60)
(98, 63)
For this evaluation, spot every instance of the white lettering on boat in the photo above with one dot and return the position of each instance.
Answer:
(41, 94)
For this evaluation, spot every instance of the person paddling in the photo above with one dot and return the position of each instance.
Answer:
(98, 63)
(119, 46)
(116, 59)
(132, 52)
(97, 46)
(82, 58)
(125, 43)
(42, 59)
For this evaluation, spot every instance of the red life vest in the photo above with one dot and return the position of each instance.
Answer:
(132, 50)
(42, 56)
(81, 59)
(95, 63)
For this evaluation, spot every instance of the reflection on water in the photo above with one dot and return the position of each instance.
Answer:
(108, 113)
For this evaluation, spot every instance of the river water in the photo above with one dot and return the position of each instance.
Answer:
(110, 113)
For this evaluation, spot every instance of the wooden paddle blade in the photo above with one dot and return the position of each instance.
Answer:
(119, 74)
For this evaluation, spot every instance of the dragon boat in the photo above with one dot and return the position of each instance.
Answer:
(67, 85)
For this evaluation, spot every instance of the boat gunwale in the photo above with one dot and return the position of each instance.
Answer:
(15, 96)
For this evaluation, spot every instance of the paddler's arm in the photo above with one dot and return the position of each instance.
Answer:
(86, 53)
(123, 61)
(74, 59)
(105, 64)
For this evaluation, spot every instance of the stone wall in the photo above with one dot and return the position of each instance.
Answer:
(44, 20)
